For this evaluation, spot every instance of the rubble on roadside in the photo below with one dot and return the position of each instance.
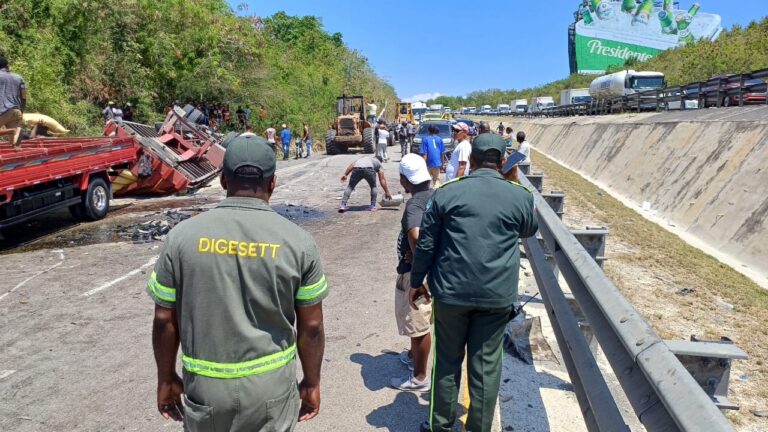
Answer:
(158, 228)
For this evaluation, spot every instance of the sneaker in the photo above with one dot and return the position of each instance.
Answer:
(409, 384)
(342, 208)
(404, 359)
(374, 208)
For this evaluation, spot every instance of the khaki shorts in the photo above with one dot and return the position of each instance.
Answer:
(11, 119)
(410, 322)
(435, 174)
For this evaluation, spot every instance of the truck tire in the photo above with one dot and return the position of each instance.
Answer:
(330, 143)
(95, 201)
(390, 140)
(368, 145)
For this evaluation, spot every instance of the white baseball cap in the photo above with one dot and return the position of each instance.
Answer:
(414, 168)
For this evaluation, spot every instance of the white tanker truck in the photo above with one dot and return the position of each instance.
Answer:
(625, 83)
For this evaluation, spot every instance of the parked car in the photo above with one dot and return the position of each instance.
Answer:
(444, 130)
(750, 95)
(468, 122)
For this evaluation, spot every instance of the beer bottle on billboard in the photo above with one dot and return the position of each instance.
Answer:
(685, 37)
(668, 25)
(586, 15)
(628, 6)
(668, 7)
(684, 20)
(603, 10)
(643, 15)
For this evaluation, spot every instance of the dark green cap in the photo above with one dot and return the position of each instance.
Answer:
(489, 141)
(249, 150)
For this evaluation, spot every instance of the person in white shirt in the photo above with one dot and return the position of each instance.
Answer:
(524, 147)
(381, 144)
(458, 166)
(270, 134)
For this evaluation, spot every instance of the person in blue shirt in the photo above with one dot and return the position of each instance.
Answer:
(433, 151)
(285, 137)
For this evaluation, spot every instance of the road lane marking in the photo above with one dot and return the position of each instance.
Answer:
(121, 278)
(6, 373)
(21, 284)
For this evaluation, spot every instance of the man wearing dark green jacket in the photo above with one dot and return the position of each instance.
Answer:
(468, 245)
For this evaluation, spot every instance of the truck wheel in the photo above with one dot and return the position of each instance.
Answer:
(330, 143)
(95, 203)
(368, 145)
(727, 101)
(390, 140)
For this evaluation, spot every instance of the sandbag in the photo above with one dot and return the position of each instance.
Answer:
(54, 127)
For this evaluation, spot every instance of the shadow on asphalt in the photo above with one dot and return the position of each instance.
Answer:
(395, 416)
(405, 412)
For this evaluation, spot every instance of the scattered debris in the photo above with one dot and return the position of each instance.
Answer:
(743, 378)
(760, 413)
(686, 291)
(524, 339)
(156, 230)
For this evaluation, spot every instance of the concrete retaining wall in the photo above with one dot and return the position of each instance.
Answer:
(710, 178)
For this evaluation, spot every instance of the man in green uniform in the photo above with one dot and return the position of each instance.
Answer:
(468, 244)
(241, 289)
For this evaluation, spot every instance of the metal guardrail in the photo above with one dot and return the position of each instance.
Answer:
(711, 93)
(663, 393)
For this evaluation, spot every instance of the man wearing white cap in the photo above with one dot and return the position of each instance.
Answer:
(285, 137)
(414, 323)
(458, 166)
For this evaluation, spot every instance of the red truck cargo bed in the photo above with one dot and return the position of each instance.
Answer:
(45, 159)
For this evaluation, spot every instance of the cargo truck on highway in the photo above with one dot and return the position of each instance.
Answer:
(503, 109)
(575, 96)
(625, 83)
(541, 103)
(61, 173)
(520, 105)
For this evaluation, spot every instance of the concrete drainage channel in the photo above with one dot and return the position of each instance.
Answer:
(670, 385)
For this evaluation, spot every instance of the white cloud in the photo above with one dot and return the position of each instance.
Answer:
(422, 97)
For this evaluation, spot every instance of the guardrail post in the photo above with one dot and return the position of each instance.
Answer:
(709, 362)
(525, 168)
(537, 180)
(593, 240)
(556, 200)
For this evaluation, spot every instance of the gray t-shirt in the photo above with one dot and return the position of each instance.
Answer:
(11, 86)
(368, 162)
(414, 211)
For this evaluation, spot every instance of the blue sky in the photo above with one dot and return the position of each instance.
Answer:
(453, 47)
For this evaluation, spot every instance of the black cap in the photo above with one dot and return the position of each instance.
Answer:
(249, 150)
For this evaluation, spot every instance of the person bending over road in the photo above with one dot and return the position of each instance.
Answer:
(365, 168)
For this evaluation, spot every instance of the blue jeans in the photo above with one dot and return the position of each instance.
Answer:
(286, 149)
(308, 143)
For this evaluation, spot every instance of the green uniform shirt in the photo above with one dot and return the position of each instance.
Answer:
(235, 274)
(468, 242)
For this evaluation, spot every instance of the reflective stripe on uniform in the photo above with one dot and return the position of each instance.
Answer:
(313, 291)
(239, 370)
(161, 291)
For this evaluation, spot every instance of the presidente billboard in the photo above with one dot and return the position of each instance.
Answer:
(610, 32)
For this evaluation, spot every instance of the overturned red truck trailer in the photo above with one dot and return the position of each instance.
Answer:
(82, 174)
(177, 156)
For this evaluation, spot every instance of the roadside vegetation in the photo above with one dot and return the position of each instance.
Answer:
(739, 50)
(76, 55)
(680, 290)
